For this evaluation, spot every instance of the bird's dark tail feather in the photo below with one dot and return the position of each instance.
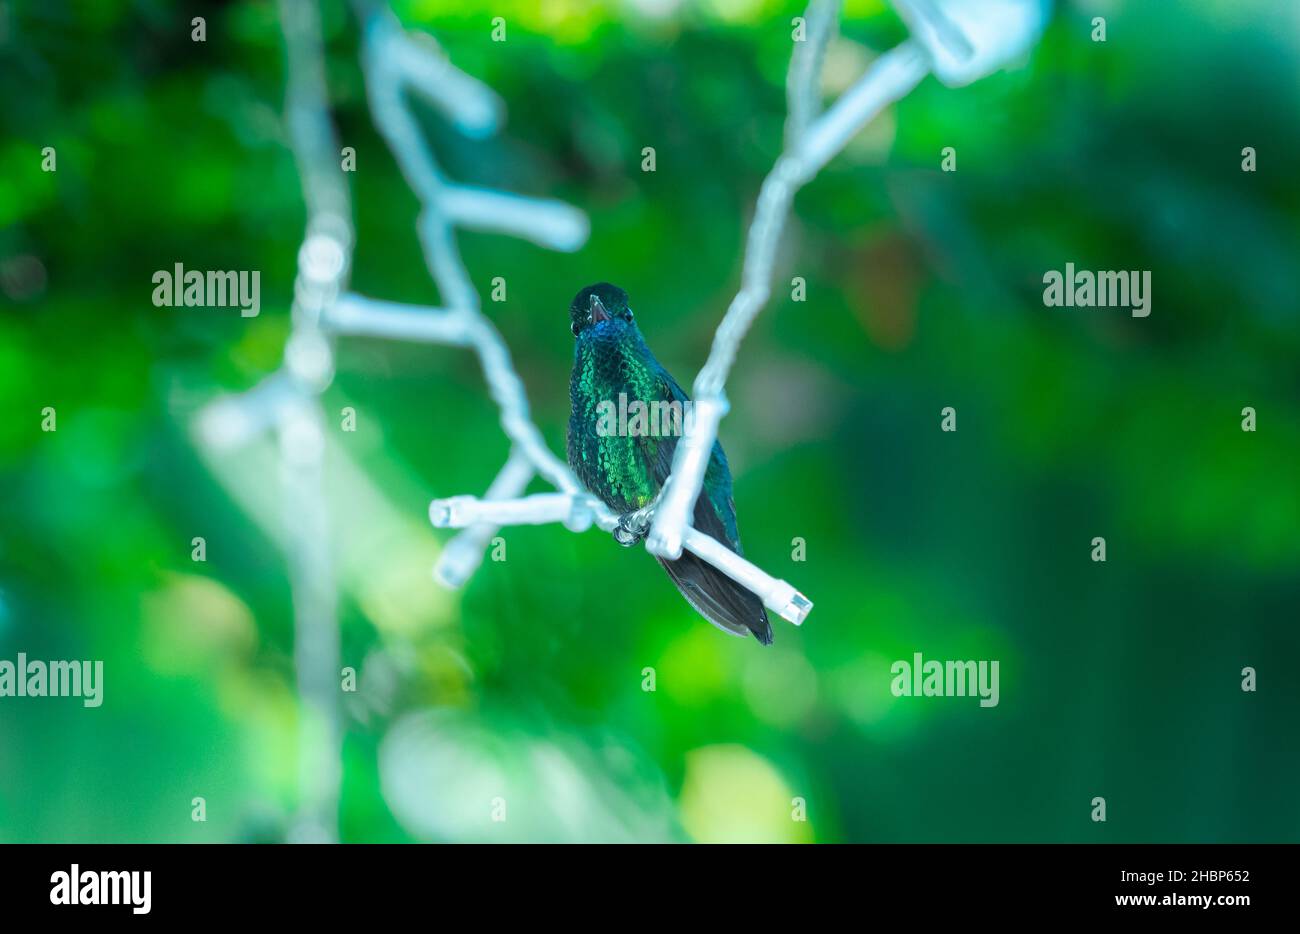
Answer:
(718, 598)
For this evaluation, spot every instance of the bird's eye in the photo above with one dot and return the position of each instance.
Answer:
(628, 316)
(574, 328)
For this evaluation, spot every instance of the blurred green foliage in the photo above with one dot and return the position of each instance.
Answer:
(1119, 679)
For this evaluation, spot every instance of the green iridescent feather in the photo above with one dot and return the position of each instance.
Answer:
(614, 369)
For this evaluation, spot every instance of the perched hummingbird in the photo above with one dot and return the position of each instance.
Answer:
(626, 470)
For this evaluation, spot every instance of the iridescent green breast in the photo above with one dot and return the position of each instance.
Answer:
(613, 370)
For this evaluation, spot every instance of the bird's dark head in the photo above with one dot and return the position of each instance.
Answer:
(597, 304)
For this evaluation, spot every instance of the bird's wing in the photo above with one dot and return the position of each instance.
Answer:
(714, 595)
(715, 516)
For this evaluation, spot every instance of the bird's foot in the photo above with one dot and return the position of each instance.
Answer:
(632, 527)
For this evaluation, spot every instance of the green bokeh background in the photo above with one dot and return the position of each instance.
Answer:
(1120, 679)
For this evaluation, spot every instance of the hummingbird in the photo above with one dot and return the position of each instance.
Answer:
(626, 469)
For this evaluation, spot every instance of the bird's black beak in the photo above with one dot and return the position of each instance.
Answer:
(598, 312)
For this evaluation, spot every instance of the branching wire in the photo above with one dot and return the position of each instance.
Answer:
(956, 41)
(941, 43)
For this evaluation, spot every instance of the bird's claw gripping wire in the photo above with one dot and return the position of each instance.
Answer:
(633, 526)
